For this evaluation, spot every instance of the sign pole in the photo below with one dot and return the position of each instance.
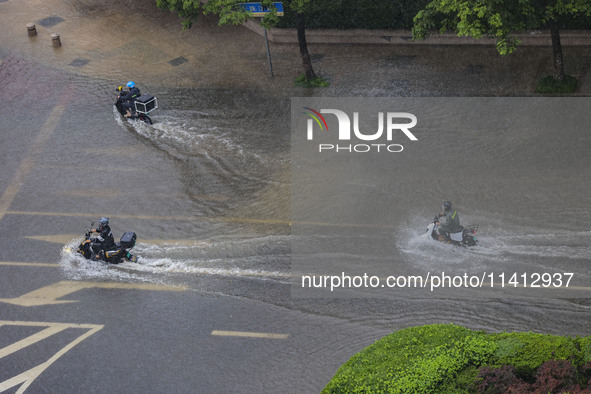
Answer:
(268, 53)
(258, 11)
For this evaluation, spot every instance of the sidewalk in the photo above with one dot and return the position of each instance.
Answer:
(122, 40)
(404, 37)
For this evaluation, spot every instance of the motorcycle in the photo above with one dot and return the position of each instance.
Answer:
(465, 237)
(142, 106)
(116, 254)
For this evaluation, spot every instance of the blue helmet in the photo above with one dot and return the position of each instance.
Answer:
(130, 84)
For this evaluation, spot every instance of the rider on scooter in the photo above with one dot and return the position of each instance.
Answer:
(128, 98)
(105, 239)
(451, 224)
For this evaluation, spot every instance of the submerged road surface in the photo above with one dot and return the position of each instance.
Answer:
(209, 307)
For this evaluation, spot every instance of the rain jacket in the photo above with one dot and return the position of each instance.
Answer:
(450, 222)
(105, 237)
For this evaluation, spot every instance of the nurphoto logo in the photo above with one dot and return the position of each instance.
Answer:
(395, 122)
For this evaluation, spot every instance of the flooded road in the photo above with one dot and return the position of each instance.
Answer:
(207, 190)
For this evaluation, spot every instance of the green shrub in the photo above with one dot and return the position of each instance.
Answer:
(445, 358)
(357, 14)
(549, 85)
(413, 360)
(585, 344)
(303, 82)
(527, 351)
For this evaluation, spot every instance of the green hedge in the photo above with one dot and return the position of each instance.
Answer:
(549, 85)
(378, 14)
(526, 352)
(446, 358)
(357, 14)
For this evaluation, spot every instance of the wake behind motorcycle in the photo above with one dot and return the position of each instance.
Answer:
(142, 106)
(466, 237)
(116, 254)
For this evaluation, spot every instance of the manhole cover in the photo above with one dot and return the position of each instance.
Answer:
(178, 61)
(50, 21)
(79, 62)
(474, 68)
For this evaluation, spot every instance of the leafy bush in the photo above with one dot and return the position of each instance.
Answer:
(413, 360)
(383, 14)
(553, 376)
(302, 82)
(445, 358)
(357, 14)
(527, 351)
(549, 85)
(497, 380)
(585, 344)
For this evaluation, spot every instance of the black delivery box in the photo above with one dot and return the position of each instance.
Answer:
(145, 104)
(128, 239)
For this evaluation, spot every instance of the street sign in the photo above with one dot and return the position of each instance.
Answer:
(259, 11)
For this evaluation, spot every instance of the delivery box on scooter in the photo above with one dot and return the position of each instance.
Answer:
(145, 104)
(128, 240)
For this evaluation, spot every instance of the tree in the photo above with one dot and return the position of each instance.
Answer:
(230, 12)
(499, 19)
(189, 10)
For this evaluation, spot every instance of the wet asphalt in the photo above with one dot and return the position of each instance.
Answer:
(185, 337)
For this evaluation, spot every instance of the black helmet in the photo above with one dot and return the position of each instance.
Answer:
(446, 206)
(103, 221)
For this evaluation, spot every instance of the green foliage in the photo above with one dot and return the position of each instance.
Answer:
(549, 85)
(475, 17)
(356, 14)
(303, 82)
(189, 10)
(445, 358)
(413, 360)
(496, 18)
(527, 351)
(230, 11)
(585, 344)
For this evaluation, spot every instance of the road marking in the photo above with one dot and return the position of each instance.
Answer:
(246, 334)
(26, 264)
(184, 218)
(202, 218)
(26, 378)
(29, 161)
(49, 295)
(66, 238)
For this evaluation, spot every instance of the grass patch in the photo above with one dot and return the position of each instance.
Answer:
(445, 358)
(318, 82)
(549, 85)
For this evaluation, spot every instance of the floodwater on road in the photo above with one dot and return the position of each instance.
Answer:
(207, 189)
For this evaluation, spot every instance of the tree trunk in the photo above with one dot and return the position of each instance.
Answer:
(301, 26)
(557, 50)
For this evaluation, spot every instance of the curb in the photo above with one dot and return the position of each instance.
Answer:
(404, 37)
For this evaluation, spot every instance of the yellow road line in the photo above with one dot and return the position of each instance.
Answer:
(49, 295)
(29, 161)
(202, 218)
(246, 334)
(65, 238)
(153, 217)
(25, 264)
